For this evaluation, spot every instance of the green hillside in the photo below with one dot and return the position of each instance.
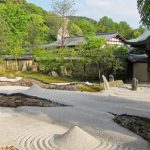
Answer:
(23, 24)
(105, 24)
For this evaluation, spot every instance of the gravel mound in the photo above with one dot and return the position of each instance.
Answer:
(76, 139)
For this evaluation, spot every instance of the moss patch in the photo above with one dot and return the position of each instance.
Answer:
(85, 88)
(39, 76)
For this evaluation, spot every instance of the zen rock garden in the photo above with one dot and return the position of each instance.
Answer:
(70, 82)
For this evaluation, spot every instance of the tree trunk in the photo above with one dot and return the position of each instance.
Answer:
(84, 68)
(62, 34)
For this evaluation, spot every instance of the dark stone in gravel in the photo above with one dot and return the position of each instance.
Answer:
(18, 99)
(138, 125)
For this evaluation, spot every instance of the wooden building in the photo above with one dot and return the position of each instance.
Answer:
(112, 39)
(139, 65)
(26, 61)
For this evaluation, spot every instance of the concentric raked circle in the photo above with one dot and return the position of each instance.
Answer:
(43, 139)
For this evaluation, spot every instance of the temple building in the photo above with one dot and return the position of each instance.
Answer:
(13, 64)
(139, 65)
(112, 39)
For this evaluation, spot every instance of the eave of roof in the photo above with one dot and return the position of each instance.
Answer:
(72, 41)
(138, 58)
(141, 40)
(10, 57)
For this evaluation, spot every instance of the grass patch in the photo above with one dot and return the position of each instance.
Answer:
(45, 78)
(39, 76)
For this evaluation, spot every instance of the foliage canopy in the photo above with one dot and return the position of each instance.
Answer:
(144, 10)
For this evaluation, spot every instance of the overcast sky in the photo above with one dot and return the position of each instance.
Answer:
(118, 10)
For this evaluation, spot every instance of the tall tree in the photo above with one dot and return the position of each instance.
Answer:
(16, 50)
(37, 30)
(63, 8)
(16, 18)
(144, 10)
(87, 27)
(108, 25)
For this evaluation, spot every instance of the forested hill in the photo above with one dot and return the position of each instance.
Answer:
(24, 24)
(105, 24)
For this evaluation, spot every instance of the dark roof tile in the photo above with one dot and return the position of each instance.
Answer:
(73, 41)
(138, 58)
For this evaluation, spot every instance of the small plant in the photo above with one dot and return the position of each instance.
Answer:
(134, 84)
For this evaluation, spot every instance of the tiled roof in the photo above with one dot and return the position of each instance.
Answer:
(73, 41)
(138, 58)
(141, 38)
(24, 57)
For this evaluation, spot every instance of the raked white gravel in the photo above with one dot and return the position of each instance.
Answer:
(5, 79)
(33, 128)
